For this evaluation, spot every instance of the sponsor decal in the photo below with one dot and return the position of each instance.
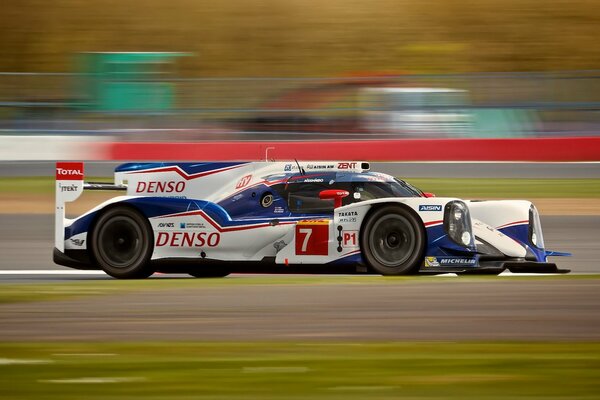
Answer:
(430, 207)
(160, 187)
(278, 210)
(78, 242)
(486, 226)
(346, 165)
(312, 238)
(309, 180)
(266, 200)
(279, 245)
(191, 225)
(376, 179)
(188, 239)
(69, 171)
(348, 216)
(457, 261)
(320, 166)
(431, 262)
(68, 188)
(450, 261)
(243, 182)
(293, 167)
(349, 238)
(313, 222)
(166, 225)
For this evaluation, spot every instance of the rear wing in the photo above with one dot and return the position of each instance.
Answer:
(68, 187)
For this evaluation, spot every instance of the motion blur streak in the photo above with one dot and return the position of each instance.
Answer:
(479, 309)
(438, 80)
(307, 37)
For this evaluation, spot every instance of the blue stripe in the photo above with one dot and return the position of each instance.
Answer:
(520, 233)
(188, 168)
(152, 207)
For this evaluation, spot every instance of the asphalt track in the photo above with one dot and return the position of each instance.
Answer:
(422, 309)
(404, 169)
(501, 308)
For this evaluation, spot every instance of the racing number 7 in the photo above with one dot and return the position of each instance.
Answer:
(312, 238)
(307, 232)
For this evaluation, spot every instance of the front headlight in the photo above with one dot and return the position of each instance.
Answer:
(466, 238)
(457, 223)
(535, 228)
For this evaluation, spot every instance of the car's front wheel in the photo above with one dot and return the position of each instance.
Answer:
(393, 241)
(121, 243)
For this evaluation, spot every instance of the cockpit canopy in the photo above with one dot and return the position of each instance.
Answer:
(302, 192)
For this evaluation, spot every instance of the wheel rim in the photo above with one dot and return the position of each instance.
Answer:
(120, 241)
(392, 240)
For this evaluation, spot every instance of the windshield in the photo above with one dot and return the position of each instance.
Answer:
(413, 189)
(362, 191)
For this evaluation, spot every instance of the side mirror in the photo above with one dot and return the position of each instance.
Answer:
(427, 194)
(335, 194)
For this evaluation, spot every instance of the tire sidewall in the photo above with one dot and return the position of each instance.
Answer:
(140, 268)
(413, 263)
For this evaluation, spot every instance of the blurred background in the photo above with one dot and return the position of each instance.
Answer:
(300, 69)
(447, 94)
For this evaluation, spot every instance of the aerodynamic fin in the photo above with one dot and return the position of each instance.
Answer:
(69, 186)
(550, 253)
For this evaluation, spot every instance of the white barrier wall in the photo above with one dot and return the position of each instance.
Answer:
(39, 148)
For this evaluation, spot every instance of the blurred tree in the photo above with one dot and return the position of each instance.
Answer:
(308, 37)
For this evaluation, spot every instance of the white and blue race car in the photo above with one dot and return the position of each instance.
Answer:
(211, 219)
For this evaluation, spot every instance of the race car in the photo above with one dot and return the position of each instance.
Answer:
(211, 219)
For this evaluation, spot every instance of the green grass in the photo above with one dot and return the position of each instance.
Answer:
(459, 187)
(27, 292)
(509, 188)
(40, 185)
(292, 370)
(37, 185)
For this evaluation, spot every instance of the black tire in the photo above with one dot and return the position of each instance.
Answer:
(122, 243)
(210, 273)
(393, 241)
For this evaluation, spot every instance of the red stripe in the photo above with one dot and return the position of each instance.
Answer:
(526, 221)
(520, 149)
(349, 254)
(218, 227)
(433, 222)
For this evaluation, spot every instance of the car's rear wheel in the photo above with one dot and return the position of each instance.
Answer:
(121, 243)
(393, 241)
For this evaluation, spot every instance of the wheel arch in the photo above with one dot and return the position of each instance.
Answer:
(377, 206)
(111, 206)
